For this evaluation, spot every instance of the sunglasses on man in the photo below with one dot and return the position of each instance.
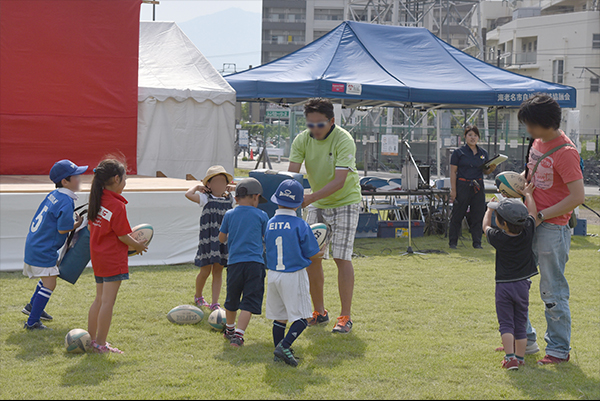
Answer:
(322, 124)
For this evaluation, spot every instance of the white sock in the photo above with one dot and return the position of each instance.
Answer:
(240, 332)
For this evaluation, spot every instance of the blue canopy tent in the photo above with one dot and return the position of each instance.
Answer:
(362, 64)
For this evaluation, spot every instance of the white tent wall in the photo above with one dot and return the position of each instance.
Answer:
(186, 137)
(186, 109)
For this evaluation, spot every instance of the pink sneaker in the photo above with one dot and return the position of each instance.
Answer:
(200, 301)
(104, 349)
(214, 306)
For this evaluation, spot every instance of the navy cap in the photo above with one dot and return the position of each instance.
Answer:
(512, 210)
(290, 193)
(65, 168)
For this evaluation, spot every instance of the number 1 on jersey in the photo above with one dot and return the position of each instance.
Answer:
(279, 245)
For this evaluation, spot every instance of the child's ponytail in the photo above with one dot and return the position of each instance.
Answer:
(106, 170)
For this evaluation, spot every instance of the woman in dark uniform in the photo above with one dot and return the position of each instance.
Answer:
(467, 189)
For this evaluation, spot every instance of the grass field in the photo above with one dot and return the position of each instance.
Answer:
(425, 327)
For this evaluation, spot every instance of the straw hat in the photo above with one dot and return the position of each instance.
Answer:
(216, 170)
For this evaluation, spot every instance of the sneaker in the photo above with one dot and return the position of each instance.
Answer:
(552, 360)
(318, 319)
(510, 364)
(343, 325)
(27, 310)
(201, 302)
(214, 306)
(104, 349)
(286, 355)
(530, 349)
(452, 246)
(521, 363)
(277, 359)
(229, 334)
(477, 246)
(36, 326)
(237, 341)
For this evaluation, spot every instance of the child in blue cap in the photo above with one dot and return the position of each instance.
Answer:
(48, 231)
(291, 248)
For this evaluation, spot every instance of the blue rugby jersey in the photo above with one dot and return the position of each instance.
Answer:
(290, 242)
(55, 213)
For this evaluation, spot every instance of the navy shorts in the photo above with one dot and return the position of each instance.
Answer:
(512, 303)
(118, 277)
(245, 287)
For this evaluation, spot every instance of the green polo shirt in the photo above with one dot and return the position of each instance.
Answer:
(321, 159)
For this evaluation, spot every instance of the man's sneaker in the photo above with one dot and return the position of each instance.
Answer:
(36, 326)
(552, 360)
(229, 334)
(237, 341)
(285, 354)
(529, 349)
(532, 349)
(510, 364)
(318, 319)
(343, 325)
(27, 310)
(200, 301)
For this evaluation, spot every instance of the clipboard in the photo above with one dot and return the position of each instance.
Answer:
(499, 158)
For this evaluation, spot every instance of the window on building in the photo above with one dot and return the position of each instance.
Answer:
(557, 71)
(329, 14)
(596, 41)
(594, 84)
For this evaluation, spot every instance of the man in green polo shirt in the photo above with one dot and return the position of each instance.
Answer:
(329, 154)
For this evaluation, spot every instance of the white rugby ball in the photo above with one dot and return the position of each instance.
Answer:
(142, 233)
(217, 319)
(510, 184)
(185, 314)
(78, 341)
(321, 233)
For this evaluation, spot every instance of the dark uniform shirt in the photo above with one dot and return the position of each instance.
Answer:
(468, 163)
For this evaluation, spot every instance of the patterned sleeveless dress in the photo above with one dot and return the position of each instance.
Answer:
(210, 250)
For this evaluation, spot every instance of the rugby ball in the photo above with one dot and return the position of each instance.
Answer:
(141, 233)
(185, 314)
(510, 184)
(78, 341)
(217, 319)
(321, 233)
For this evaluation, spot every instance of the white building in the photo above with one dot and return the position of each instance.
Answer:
(557, 42)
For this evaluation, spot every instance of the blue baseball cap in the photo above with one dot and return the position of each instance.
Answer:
(65, 168)
(290, 193)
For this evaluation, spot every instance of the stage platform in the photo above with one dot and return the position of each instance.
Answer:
(158, 201)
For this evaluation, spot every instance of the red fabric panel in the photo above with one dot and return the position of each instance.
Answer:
(69, 82)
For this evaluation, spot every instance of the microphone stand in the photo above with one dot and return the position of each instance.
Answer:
(410, 251)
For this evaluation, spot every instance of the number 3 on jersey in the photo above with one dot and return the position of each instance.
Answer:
(38, 219)
(279, 245)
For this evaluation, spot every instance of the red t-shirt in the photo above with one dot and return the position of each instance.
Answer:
(553, 174)
(109, 254)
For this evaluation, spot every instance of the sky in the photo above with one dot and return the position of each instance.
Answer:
(185, 10)
(227, 32)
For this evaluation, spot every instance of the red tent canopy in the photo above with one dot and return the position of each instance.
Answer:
(69, 82)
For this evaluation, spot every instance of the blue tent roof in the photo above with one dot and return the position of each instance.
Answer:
(357, 62)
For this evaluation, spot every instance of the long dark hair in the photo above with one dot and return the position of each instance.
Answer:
(106, 170)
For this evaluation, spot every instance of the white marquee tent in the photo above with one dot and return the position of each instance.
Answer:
(186, 110)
